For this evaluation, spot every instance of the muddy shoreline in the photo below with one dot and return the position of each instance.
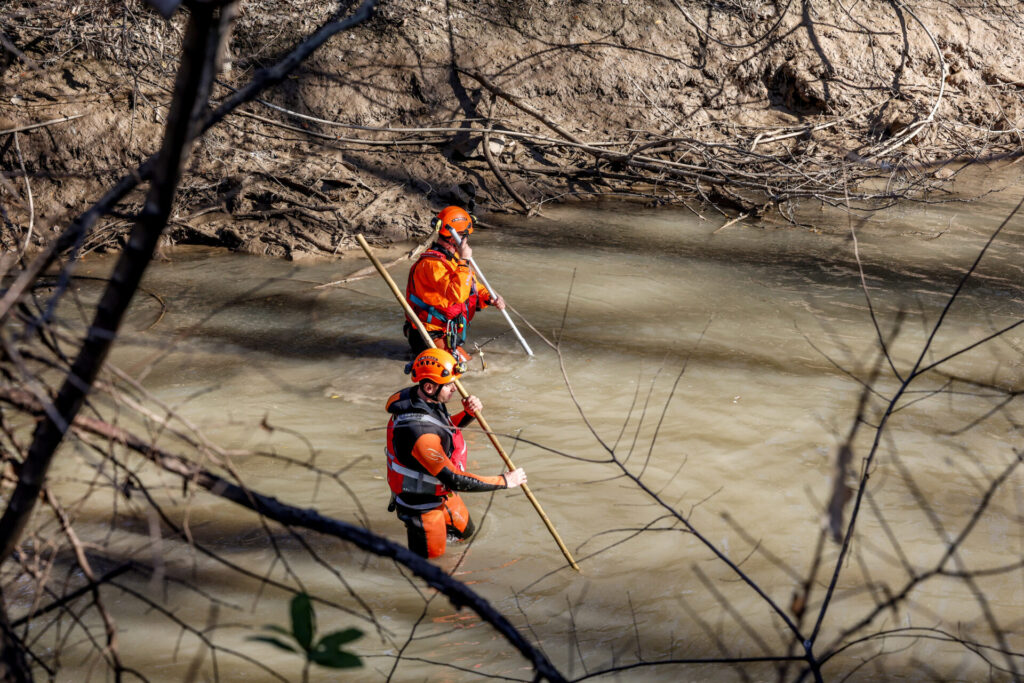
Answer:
(756, 108)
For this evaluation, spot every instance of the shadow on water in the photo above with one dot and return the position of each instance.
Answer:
(791, 253)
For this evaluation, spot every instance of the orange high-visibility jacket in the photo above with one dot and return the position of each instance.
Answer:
(442, 287)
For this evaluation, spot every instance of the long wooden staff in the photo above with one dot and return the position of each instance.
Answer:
(480, 274)
(411, 315)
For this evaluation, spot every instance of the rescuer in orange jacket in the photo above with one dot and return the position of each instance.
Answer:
(442, 290)
(427, 457)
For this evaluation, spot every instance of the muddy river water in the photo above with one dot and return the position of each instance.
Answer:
(720, 367)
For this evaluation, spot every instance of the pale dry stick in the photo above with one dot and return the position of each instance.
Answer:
(412, 141)
(986, 132)
(32, 126)
(365, 272)
(995, 100)
(28, 191)
(805, 130)
(462, 391)
(336, 138)
(913, 128)
(390, 129)
(726, 225)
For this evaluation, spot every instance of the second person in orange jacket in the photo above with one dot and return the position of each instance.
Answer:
(442, 290)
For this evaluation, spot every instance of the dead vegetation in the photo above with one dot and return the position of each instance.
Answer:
(747, 107)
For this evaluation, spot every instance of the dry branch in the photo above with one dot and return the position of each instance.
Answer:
(206, 29)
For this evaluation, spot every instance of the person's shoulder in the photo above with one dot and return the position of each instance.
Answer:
(400, 401)
(433, 263)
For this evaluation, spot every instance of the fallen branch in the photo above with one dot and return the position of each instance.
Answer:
(33, 126)
(370, 270)
(28, 191)
(726, 225)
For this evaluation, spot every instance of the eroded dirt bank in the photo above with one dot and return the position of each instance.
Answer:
(752, 105)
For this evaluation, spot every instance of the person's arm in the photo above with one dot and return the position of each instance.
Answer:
(429, 452)
(487, 299)
(462, 419)
(471, 405)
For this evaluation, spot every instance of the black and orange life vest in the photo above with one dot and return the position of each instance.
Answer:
(411, 417)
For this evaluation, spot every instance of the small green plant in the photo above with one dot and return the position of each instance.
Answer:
(326, 651)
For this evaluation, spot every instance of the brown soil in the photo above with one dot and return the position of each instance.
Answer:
(804, 85)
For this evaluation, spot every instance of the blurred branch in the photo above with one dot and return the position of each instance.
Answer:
(195, 77)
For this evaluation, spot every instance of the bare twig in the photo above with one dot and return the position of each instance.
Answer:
(28, 192)
(43, 124)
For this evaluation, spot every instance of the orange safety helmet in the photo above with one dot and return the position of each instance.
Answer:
(437, 365)
(453, 218)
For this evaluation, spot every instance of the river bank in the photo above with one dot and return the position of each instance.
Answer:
(747, 107)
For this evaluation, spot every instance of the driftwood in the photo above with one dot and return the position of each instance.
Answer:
(366, 272)
(43, 124)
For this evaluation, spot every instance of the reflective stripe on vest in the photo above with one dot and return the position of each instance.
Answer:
(413, 481)
(400, 421)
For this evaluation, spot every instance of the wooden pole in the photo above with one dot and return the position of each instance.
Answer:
(411, 315)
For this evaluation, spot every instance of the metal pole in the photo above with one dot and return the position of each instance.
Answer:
(480, 274)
